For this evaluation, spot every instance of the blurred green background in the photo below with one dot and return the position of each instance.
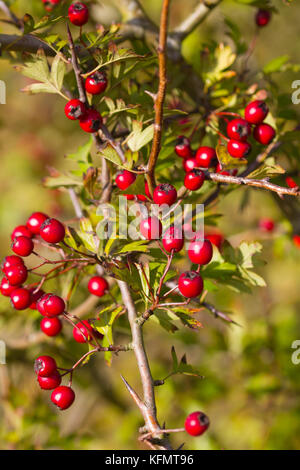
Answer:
(251, 387)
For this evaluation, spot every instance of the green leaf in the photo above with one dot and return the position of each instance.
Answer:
(83, 152)
(104, 324)
(87, 235)
(61, 181)
(109, 153)
(58, 70)
(226, 160)
(139, 138)
(268, 169)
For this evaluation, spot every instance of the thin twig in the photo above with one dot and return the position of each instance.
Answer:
(77, 71)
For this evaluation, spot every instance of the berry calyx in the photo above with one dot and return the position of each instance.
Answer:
(78, 14)
(262, 17)
(51, 326)
(98, 286)
(151, 228)
(190, 284)
(16, 275)
(238, 149)
(200, 252)
(124, 179)
(256, 112)
(183, 147)
(189, 164)
(264, 133)
(84, 332)
(53, 305)
(194, 179)
(50, 382)
(196, 423)
(5, 288)
(91, 121)
(75, 109)
(35, 222)
(164, 194)
(238, 129)
(10, 261)
(173, 240)
(20, 298)
(96, 83)
(63, 397)
(52, 231)
(22, 246)
(21, 231)
(206, 157)
(45, 366)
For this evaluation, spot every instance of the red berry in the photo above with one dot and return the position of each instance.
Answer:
(16, 275)
(264, 133)
(200, 251)
(194, 179)
(183, 147)
(45, 366)
(40, 305)
(129, 197)
(74, 110)
(50, 4)
(291, 182)
(262, 17)
(78, 14)
(124, 179)
(82, 332)
(63, 397)
(216, 239)
(10, 261)
(22, 246)
(256, 111)
(35, 222)
(91, 121)
(189, 164)
(141, 198)
(238, 149)
(196, 423)
(151, 228)
(35, 297)
(96, 83)
(206, 157)
(21, 231)
(164, 194)
(238, 129)
(5, 288)
(52, 231)
(51, 326)
(98, 286)
(296, 240)
(173, 239)
(53, 305)
(50, 382)
(267, 225)
(190, 284)
(20, 298)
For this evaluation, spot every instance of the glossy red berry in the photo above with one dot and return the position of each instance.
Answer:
(262, 17)
(238, 129)
(53, 305)
(91, 121)
(98, 286)
(190, 284)
(5, 288)
(196, 423)
(173, 240)
(291, 182)
(35, 297)
(21, 231)
(256, 111)
(206, 157)
(78, 14)
(164, 194)
(22, 246)
(151, 228)
(35, 222)
(189, 164)
(45, 366)
(183, 147)
(20, 298)
(194, 179)
(51, 326)
(16, 275)
(124, 179)
(200, 251)
(141, 198)
(52, 231)
(96, 83)
(50, 382)
(267, 225)
(63, 397)
(75, 109)
(264, 133)
(238, 149)
(216, 239)
(10, 261)
(84, 332)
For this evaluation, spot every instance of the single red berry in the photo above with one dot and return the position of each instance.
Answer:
(262, 17)
(16, 275)
(206, 157)
(53, 305)
(190, 284)
(96, 83)
(124, 179)
(35, 297)
(5, 288)
(267, 225)
(189, 164)
(200, 251)
(45, 366)
(194, 179)
(129, 197)
(75, 109)
(196, 423)
(84, 332)
(50, 382)
(291, 182)
(164, 194)
(50, 4)
(264, 133)
(173, 239)
(63, 397)
(10, 261)
(216, 239)
(98, 286)
(40, 305)
(256, 111)
(51, 326)
(141, 197)
(22, 246)
(238, 129)
(91, 121)
(21, 231)
(296, 240)
(238, 149)
(20, 298)
(35, 222)
(52, 231)
(78, 14)
(151, 228)
(183, 147)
